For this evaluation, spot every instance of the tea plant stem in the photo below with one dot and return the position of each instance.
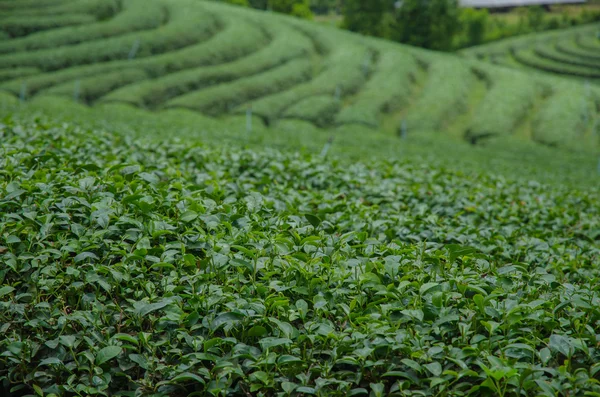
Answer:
(134, 49)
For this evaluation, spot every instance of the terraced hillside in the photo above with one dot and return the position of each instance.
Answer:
(571, 52)
(223, 62)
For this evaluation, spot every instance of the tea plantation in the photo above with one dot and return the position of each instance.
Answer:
(221, 61)
(203, 200)
(573, 52)
(134, 267)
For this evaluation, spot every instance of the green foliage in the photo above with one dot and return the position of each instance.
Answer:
(445, 96)
(319, 110)
(588, 41)
(186, 26)
(169, 268)
(135, 16)
(10, 74)
(551, 52)
(389, 88)
(100, 9)
(570, 48)
(345, 71)
(243, 3)
(219, 60)
(531, 59)
(302, 10)
(474, 23)
(427, 23)
(92, 88)
(16, 26)
(513, 158)
(535, 18)
(225, 97)
(453, 28)
(325, 6)
(571, 52)
(507, 103)
(27, 4)
(297, 8)
(365, 16)
(287, 44)
(565, 119)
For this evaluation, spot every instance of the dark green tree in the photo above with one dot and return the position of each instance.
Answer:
(243, 3)
(299, 8)
(324, 6)
(475, 24)
(365, 16)
(535, 18)
(427, 23)
(259, 4)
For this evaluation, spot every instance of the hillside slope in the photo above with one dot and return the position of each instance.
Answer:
(573, 52)
(223, 61)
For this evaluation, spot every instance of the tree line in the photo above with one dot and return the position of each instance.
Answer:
(433, 24)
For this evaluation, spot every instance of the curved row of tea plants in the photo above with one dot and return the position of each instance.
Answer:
(568, 52)
(223, 61)
(135, 16)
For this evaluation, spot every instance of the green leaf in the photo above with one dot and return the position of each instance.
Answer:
(38, 390)
(270, 342)
(247, 251)
(435, 368)
(148, 308)
(6, 290)
(163, 265)
(257, 331)
(545, 355)
(188, 377)
(12, 239)
(313, 219)
(412, 364)
(288, 387)
(457, 251)
(127, 338)
(225, 318)
(286, 359)
(149, 177)
(429, 288)
(545, 386)
(378, 389)
(50, 361)
(479, 301)
(561, 344)
(261, 376)
(414, 313)
(438, 299)
(85, 255)
(189, 216)
(139, 360)
(68, 340)
(130, 169)
(106, 354)
(302, 307)
(192, 319)
(306, 390)
(13, 195)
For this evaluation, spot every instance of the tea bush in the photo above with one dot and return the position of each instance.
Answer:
(173, 269)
